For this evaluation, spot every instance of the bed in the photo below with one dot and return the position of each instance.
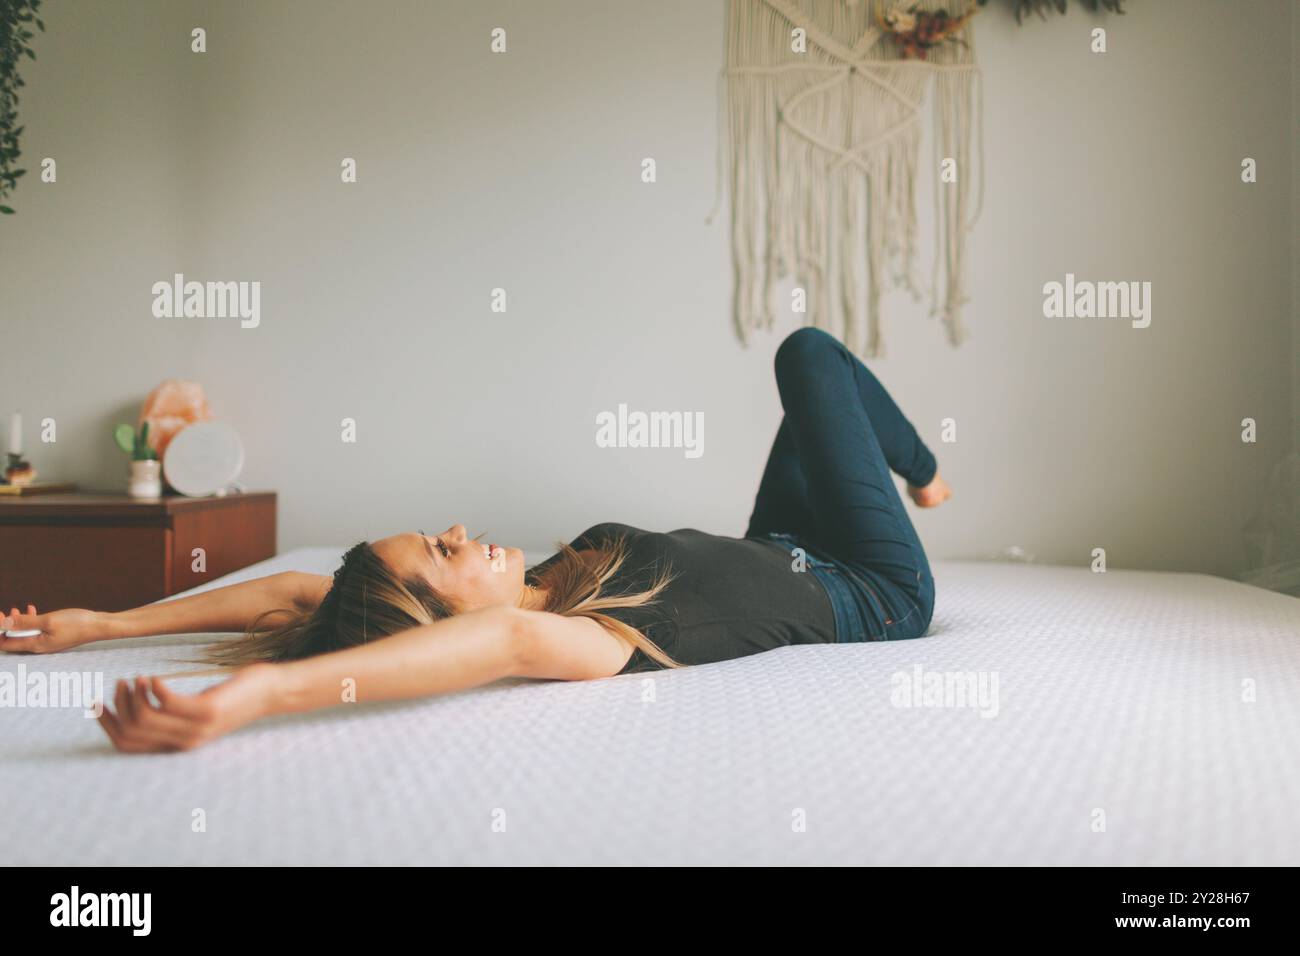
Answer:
(1118, 718)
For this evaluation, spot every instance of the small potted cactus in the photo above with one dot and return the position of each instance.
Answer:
(146, 471)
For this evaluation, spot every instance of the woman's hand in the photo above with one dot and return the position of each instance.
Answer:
(180, 721)
(60, 630)
(232, 609)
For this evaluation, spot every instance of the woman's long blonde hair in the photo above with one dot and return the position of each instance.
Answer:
(368, 601)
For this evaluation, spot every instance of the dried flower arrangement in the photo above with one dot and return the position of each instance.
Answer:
(917, 31)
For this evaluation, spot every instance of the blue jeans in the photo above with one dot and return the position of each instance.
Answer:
(827, 489)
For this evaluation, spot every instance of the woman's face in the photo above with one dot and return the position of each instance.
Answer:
(468, 574)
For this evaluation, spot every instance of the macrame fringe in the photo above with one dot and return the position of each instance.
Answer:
(822, 152)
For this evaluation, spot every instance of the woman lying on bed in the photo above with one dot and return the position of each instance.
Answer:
(830, 555)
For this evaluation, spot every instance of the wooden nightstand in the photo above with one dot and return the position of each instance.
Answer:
(109, 552)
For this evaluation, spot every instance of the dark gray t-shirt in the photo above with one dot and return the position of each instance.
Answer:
(729, 597)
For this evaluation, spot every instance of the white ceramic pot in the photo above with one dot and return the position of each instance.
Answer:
(146, 479)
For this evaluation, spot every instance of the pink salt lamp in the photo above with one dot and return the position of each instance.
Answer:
(170, 407)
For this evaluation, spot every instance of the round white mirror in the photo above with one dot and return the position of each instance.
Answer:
(203, 459)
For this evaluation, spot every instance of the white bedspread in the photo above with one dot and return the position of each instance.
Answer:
(1141, 718)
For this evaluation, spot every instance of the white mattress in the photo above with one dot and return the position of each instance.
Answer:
(1119, 693)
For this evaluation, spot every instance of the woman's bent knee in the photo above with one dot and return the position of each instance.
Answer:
(804, 346)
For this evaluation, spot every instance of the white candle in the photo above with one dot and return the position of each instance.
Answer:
(16, 433)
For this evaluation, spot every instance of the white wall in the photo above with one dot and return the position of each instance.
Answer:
(521, 171)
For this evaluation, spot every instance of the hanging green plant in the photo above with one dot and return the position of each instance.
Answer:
(1044, 7)
(17, 20)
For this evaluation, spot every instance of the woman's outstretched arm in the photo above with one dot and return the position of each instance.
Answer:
(449, 655)
(232, 608)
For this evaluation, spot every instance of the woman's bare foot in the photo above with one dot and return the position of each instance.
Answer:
(932, 495)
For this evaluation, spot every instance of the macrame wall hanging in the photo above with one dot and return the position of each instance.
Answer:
(824, 102)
